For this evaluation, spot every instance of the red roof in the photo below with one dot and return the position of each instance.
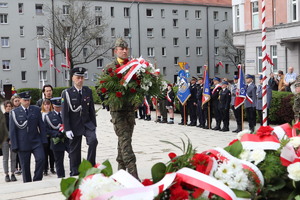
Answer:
(225, 3)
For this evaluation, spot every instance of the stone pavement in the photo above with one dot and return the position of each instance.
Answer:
(146, 144)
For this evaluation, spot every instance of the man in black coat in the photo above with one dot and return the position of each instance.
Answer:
(200, 111)
(224, 105)
(215, 102)
(79, 118)
(192, 103)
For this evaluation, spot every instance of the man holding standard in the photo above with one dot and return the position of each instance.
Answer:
(79, 118)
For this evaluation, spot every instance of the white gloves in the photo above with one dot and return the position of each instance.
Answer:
(69, 134)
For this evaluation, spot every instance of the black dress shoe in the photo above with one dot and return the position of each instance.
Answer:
(13, 178)
(225, 129)
(170, 122)
(45, 173)
(235, 131)
(181, 123)
(205, 127)
(199, 125)
(163, 122)
(53, 171)
(7, 179)
(216, 128)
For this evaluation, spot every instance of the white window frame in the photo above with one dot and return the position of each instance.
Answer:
(274, 56)
(41, 31)
(187, 51)
(186, 14)
(3, 5)
(197, 14)
(294, 3)
(198, 30)
(216, 51)
(113, 32)
(21, 8)
(86, 75)
(98, 9)
(43, 53)
(3, 18)
(5, 41)
(176, 60)
(98, 41)
(150, 52)
(175, 41)
(67, 75)
(5, 65)
(175, 12)
(22, 31)
(216, 15)
(126, 30)
(199, 51)
(98, 20)
(23, 53)
(149, 32)
(84, 52)
(126, 12)
(255, 15)
(39, 11)
(199, 69)
(164, 51)
(216, 33)
(112, 11)
(164, 71)
(23, 72)
(100, 63)
(66, 9)
(151, 12)
(225, 16)
(259, 59)
(43, 76)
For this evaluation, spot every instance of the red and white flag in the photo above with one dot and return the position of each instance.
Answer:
(51, 57)
(220, 64)
(40, 63)
(68, 63)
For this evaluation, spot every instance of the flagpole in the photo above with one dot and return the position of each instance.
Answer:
(51, 81)
(208, 111)
(184, 114)
(242, 114)
(38, 65)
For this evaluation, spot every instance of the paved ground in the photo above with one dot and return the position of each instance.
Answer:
(146, 144)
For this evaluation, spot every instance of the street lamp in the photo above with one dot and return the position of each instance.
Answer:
(215, 44)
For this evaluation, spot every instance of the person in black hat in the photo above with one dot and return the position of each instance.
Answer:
(250, 103)
(224, 105)
(58, 142)
(79, 118)
(259, 101)
(215, 102)
(237, 112)
(28, 135)
(192, 102)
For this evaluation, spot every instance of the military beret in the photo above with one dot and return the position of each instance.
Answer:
(25, 95)
(249, 76)
(56, 101)
(235, 77)
(78, 71)
(121, 43)
(217, 79)
(224, 83)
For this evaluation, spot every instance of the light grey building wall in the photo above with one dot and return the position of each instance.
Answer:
(145, 20)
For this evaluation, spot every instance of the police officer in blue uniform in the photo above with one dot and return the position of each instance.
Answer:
(58, 141)
(236, 111)
(192, 102)
(28, 135)
(79, 118)
(215, 102)
(224, 105)
(251, 106)
(259, 100)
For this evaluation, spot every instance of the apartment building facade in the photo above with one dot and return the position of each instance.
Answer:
(163, 32)
(283, 39)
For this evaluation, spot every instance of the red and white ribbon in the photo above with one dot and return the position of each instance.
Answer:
(252, 141)
(288, 155)
(148, 111)
(217, 86)
(283, 131)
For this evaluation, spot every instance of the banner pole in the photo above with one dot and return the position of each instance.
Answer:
(242, 114)
(156, 107)
(208, 111)
(184, 114)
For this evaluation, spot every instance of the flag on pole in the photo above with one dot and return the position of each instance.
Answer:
(40, 63)
(184, 92)
(269, 59)
(241, 93)
(220, 64)
(51, 57)
(68, 63)
(206, 90)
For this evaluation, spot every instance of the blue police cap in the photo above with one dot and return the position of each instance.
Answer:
(217, 79)
(78, 71)
(235, 77)
(249, 76)
(25, 95)
(224, 83)
(260, 77)
(56, 101)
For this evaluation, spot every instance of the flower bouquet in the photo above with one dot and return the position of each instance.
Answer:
(129, 83)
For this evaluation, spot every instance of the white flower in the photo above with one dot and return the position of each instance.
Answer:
(241, 133)
(295, 141)
(150, 84)
(241, 181)
(257, 156)
(97, 185)
(245, 155)
(294, 171)
(235, 166)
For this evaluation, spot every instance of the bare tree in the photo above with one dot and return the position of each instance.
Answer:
(83, 30)
(232, 54)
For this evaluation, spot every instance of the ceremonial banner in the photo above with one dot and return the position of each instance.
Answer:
(40, 63)
(184, 92)
(206, 89)
(240, 90)
(181, 64)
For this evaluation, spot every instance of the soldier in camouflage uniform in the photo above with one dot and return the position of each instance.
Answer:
(296, 106)
(3, 129)
(123, 118)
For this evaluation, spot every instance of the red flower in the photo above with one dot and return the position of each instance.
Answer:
(264, 131)
(125, 61)
(132, 90)
(232, 142)
(177, 192)
(197, 192)
(111, 74)
(117, 66)
(75, 195)
(102, 82)
(103, 90)
(119, 94)
(147, 182)
(119, 76)
(138, 82)
(172, 156)
(134, 77)
(297, 126)
(109, 70)
(298, 152)
(200, 159)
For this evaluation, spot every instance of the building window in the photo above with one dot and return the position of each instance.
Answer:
(23, 75)
(216, 33)
(3, 18)
(113, 32)
(199, 51)
(163, 51)
(6, 64)
(175, 12)
(187, 51)
(274, 57)
(199, 69)
(176, 59)
(84, 52)
(98, 9)
(237, 18)
(21, 30)
(99, 41)
(112, 11)
(40, 30)
(187, 32)
(175, 41)
(294, 10)
(66, 9)
(226, 16)
(149, 12)
(255, 20)
(100, 63)
(198, 14)
(42, 51)
(162, 13)
(216, 15)
(186, 14)
(43, 76)
(22, 53)
(98, 20)
(126, 12)
(67, 30)
(126, 32)
(216, 69)
(163, 32)
(175, 22)
(226, 33)
(226, 51)
(226, 68)
(39, 9)
(216, 51)
(259, 59)
(165, 71)
(3, 5)
(149, 32)
(5, 41)
(150, 52)
(198, 32)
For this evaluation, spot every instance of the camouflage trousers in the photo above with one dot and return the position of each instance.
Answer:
(124, 122)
